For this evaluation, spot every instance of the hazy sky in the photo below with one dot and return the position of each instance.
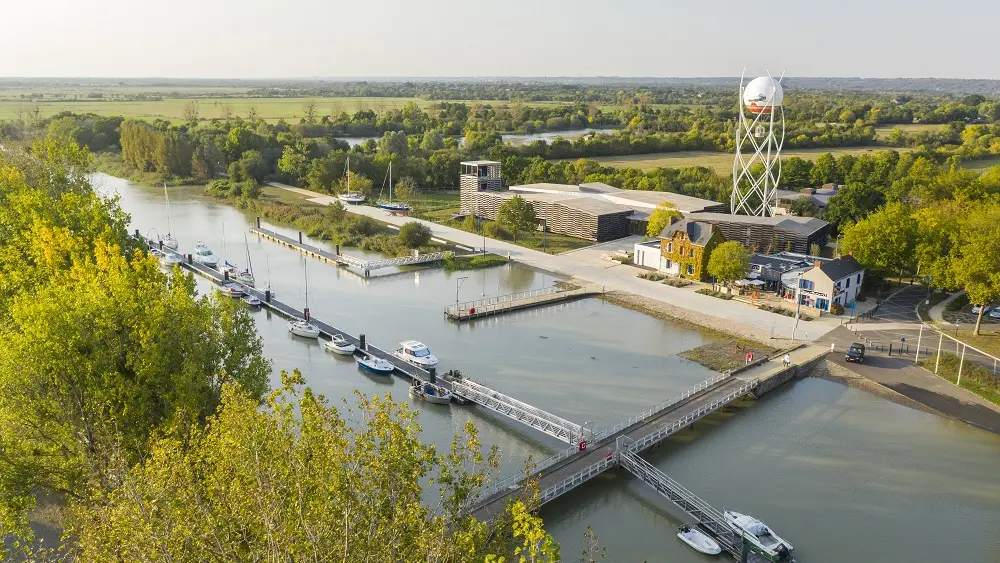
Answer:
(330, 38)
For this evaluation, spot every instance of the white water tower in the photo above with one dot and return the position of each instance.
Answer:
(761, 128)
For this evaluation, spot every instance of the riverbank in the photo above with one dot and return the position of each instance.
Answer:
(111, 163)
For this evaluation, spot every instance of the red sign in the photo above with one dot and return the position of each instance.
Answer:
(583, 445)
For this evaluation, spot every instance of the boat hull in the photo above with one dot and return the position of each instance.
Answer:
(347, 350)
(370, 368)
(303, 331)
(354, 200)
(700, 542)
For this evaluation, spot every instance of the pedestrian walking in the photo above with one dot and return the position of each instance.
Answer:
(787, 360)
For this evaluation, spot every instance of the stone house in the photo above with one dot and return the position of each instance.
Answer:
(685, 246)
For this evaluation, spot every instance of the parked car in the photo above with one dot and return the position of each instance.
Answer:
(995, 313)
(856, 353)
(976, 308)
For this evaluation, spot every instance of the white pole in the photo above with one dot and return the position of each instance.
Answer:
(960, 364)
(937, 361)
(919, 336)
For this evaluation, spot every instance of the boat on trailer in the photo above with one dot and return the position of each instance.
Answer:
(698, 540)
(348, 196)
(393, 207)
(430, 392)
(759, 537)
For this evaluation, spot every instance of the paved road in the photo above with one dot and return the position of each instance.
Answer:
(586, 264)
(902, 376)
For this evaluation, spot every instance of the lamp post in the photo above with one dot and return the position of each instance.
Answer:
(798, 302)
(458, 286)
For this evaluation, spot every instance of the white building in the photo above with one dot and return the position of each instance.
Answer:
(833, 281)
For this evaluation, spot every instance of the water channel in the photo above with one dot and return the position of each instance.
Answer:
(844, 475)
(512, 138)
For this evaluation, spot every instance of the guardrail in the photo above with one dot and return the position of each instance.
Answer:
(499, 302)
(576, 479)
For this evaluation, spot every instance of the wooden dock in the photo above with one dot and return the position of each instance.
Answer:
(340, 259)
(500, 304)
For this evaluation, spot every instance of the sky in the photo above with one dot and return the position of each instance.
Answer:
(459, 38)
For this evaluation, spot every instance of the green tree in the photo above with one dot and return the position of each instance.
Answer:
(191, 112)
(393, 142)
(824, 170)
(299, 478)
(729, 262)
(975, 258)
(805, 207)
(884, 241)
(432, 141)
(414, 234)
(852, 203)
(406, 188)
(517, 215)
(796, 172)
(664, 214)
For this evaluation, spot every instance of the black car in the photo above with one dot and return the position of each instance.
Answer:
(856, 353)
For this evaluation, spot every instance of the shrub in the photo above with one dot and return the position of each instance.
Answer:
(837, 309)
(494, 230)
(713, 293)
(414, 235)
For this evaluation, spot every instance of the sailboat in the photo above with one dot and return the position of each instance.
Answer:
(349, 196)
(227, 266)
(393, 207)
(268, 288)
(168, 241)
(302, 327)
(246, 276)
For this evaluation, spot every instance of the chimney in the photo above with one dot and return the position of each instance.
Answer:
(816, 264)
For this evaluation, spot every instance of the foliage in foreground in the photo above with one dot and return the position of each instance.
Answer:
(729, 262)
(300, 479)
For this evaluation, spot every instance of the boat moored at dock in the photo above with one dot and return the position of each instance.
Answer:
(204, 255)
(339, 345)
(759, 537)
(377, 366)
(430, 392)
(698, 540)
(416, 353)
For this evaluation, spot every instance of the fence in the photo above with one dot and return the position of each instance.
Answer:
(511, 301)
(978, 357)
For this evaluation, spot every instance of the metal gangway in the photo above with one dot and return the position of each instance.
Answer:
(705, 514)
(558, 427)
(514, 302)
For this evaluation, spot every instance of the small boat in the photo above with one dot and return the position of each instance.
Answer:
(375, 365)
(232, 289)
(348, 196)
(157, 253)
(698, 540)
(204, 255)
(168, 241)
(430, 393)
(340, 345)
(760, 538)
(303, 328)
(393, 207)
(169, 260)
(413, 352)
(251, 300)
(246, 276)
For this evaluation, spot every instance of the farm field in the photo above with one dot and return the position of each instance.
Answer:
(885, 130)
(981, 164)
(719, 161)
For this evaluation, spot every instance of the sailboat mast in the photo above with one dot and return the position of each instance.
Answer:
(249, 263)
(348, 174)
(167, 197)
(390, 180)
(305, 272)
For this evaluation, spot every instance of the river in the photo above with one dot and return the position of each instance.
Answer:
(842, 474)
(512, 138)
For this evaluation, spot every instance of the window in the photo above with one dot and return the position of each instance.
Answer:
(859, 279)
(848, 286)
(690, 270)
(670, 247)
(805, 284)
(691, 253)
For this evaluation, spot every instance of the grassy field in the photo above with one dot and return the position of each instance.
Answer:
(981, 164)
(720, 161)
(885, 130)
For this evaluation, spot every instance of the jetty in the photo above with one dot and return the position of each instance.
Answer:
(341, 259)
(489, 306)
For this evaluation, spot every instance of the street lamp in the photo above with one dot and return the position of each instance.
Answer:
(458, 286)
(798, 302)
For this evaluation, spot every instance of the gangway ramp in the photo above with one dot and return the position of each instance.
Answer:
(555, 426)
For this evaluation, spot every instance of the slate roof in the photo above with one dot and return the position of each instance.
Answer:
(841, 268)
(801, 225)
(698, 232)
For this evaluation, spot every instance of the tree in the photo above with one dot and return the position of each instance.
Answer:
(975, 259)
(824, 170)
(414, 234)
(309, 109)
(252, 165)
(852, 203)
(664, 214)
(805, 207)
(517, 215)
(432, 141)
(393, 142)
(729, 262)
(405, 188)
(191, 112)
(795, 172)
(884, 241)
(299, 478)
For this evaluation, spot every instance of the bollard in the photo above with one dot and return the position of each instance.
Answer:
(137, 234)
(225, 275)
(267, 295)
(338, 250)
(361, 342)
(161, 245)
(300, 237)
(890, 348)
(367, 272)
(432, 371)
(189, 259)
(258, 221)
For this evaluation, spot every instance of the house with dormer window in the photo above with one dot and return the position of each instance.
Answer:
(685, 245)
(833, 281)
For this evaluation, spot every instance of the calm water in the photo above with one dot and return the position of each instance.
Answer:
(844, 475)
(548, 136)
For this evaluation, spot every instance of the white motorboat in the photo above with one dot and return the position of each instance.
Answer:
(303, 328)
(204, 255)
(430, 393)
(232, 289)
(168, 260)
(251, 300)
(413, 352)
(348, 196)
(340, 345)
(698, 540)
(168, 241)
(378, 366)
(760, 538)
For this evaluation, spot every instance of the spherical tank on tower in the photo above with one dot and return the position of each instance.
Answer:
(762, 94)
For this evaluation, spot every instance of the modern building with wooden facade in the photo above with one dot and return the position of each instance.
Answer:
(769, 234)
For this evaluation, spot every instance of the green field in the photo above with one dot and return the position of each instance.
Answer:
(885, 130)
(720, 161)
(981, 164)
